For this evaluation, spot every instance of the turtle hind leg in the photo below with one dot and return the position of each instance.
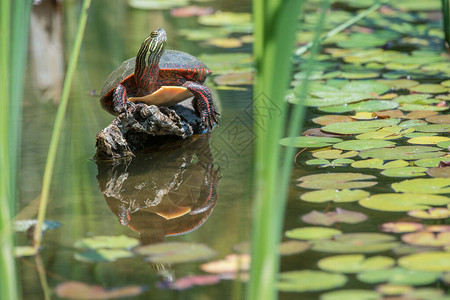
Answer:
(120, 99)
(203, 102)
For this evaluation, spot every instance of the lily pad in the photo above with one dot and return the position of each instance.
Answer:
(333, 154)
(330, 119)
(431, 162)
(235, 78)
(107, 241)
(101, 255)
(432, 213)
(363, 144)
(359, 126)
(330, 218)
(424, 238)
(376, 163)
(439, 172)
(429, 89)
(356, 243)
(425, 185)
(312, 233)
(385, 133)
(309, 280)
(157, 4)
(444, 128)
(420, 114)
(187, 282)
(414, 99)
(80, 290)
(403, 202)
(428, 140)
(426, 262)
(405, 172)
(176, 252)
(401, 227)
(309, 141)
(222, 18)
(351, 295)
(293, 247)
(439, 119)
(336, 181)
(399, 83)
(402, 152)
(338, 196)
(399, 276)
(355, 263)
(232, 263)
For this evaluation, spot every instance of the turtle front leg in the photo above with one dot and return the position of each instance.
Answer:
(120, 100)
(203, 102)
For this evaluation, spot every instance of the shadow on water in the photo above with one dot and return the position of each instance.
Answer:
(170, 191)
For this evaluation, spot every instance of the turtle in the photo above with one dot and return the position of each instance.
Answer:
(160, 77)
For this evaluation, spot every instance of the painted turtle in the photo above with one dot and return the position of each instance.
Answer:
(161, 77)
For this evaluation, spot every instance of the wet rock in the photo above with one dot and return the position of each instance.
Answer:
(145, 126)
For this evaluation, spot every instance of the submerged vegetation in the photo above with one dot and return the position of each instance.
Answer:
(367, 194)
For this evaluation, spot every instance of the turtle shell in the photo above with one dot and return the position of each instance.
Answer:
(172, 63)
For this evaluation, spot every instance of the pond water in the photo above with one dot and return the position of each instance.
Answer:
(197, 192)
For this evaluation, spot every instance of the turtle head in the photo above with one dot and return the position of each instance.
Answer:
(156, 44)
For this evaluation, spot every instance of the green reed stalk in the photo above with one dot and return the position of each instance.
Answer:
(446, 20)
(275, 25)
(56, 134)
(14, 24)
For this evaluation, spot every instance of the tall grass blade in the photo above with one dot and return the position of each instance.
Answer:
(446, 19)
(56, 134)
(275, 24)
(14, 23)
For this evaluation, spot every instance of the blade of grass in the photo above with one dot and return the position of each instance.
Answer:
(275, 24)
(300, 51)
(446, 20)
(56, 134)
(14, 24)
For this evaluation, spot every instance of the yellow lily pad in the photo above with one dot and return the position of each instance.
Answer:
(426, 261)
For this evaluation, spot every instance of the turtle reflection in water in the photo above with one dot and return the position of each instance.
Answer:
(168, 192)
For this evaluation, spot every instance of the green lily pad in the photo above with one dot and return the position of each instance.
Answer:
(414, 99)
(293, 247)
(309, 141)
(376, 163)
(414, 107)
(354, 263)
(363, 144)
(445, 145)
(426, 262)
(390, 289)
(356, 243)
(107, 241)
(425, 185)
(402, 152)
(444, 128)
(335, 181)
(428, 140)
(403, 202)
(432, 213)
(101, 255)
(405, 172)
(312, 233)
(338, 196)
(351, 295)
(333, 154)
(399, 83)
(424, 238)
(431, 162)
(385, 133)
(176, 252)
(429, 89)
(326, 163)
(439, 119)
(359, 126)
(309, 280)
(399, 276)
(330, 218)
